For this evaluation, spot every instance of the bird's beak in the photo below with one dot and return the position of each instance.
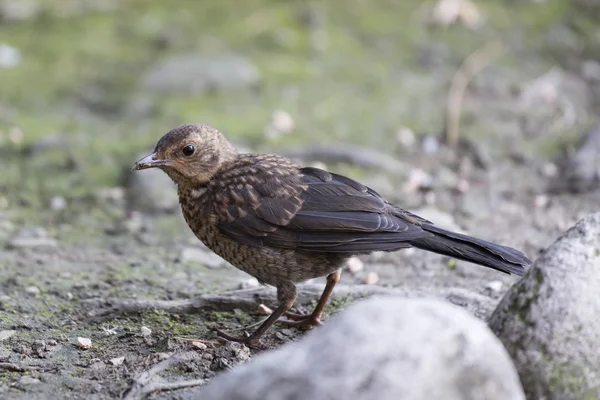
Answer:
(151, 161)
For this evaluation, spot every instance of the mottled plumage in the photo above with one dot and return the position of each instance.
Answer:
(283, 223)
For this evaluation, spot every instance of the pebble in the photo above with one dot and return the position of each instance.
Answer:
(281, 123)
(28, 380)
(494, 286)
(6, 334)
(32, 236)
(52, 342)
(10, 56)
(430, 144)
(84, 343)
(199, 345)
(354, 265)
(58, 203)
(541, 201)
(417, 180)
(208, 356)
(264, 310)
(145, 331)
(163, 356)
(32, 290)
(371, 278)
(406, 137)
(249, 283)
(117, 360)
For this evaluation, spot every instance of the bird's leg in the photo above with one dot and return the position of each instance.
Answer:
(286, 294)
(314, 318)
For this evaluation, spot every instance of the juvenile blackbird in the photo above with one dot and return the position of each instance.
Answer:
(284, 223)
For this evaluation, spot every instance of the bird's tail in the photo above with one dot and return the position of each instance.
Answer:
(474, 250)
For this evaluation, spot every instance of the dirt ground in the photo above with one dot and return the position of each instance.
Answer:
(75, 241)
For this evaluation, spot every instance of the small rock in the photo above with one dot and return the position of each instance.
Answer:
(406, 137)
(417, 180)
(28, 380)
(550, 170)
(6, 334)
(549, 322)
(193, 73)
(10, 56)
(32, 290)
(52, 342)
(98, 366)
(84, 343)
(58, 203)
(39, 347)
(354, 265)
(163, 356)
(198, 255)
(431, 144)
(208, 356)
(264, 310)
(371, 278)
(425, 350)
(249, 283)
(462, 186)
(541, 201)
(281, 123)
(199, 345)
(449, 12)
(145, 331)
(117, 360)
(494, 286)
(32, 236)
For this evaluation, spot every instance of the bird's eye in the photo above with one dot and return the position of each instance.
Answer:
(188, 150)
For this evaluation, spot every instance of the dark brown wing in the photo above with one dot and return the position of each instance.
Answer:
(310, 209)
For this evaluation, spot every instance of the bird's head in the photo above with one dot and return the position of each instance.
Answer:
(190, 154)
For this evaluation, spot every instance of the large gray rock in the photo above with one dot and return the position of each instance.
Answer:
(381, 348)
(550, 320)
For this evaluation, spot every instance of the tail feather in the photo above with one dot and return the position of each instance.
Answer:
(474, 250)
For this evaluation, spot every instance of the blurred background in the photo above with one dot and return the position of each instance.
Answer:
(479, 115)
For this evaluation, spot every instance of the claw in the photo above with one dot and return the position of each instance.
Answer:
(253, 343)
(299, 321)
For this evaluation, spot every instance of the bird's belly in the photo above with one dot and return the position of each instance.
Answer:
(269, 265)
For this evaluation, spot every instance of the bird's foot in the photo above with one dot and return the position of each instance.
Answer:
(300, 320)
(248, 340)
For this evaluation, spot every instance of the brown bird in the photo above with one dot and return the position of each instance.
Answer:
(284, 223)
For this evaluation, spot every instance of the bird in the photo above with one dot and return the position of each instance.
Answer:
(284, 223)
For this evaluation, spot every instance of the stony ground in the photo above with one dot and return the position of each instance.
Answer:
(91, 89)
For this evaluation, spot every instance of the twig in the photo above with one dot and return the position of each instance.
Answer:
(185, 339)
(143, 384)
(245, 300)
(471, 66)
(164, 386)
(18, 368)
(249, 299)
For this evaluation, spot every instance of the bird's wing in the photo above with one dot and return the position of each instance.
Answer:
(310, 209)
